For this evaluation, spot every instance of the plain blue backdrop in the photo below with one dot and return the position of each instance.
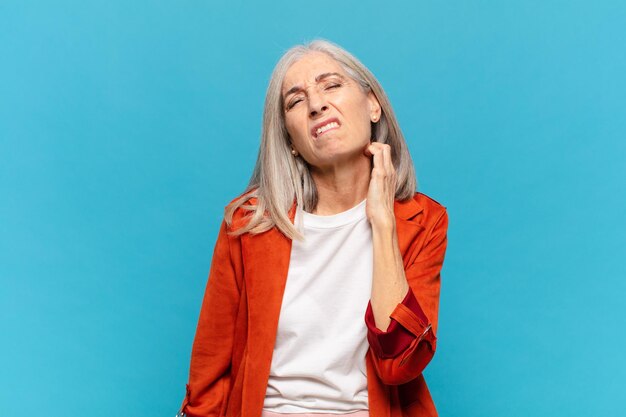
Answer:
(126, 127)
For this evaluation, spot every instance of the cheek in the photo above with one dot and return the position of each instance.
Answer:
(297, 133)
(357, 108)
(359, 118)
(289, 125)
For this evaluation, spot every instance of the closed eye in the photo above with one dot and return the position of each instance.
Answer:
(293, 103)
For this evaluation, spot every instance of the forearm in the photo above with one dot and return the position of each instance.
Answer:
(389, 284)
(401, 352)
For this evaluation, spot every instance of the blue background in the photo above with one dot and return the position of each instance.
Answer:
(126, 127)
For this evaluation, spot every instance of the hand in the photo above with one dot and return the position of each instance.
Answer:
(382, 187)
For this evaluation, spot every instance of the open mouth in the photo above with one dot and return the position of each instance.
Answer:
(324, 127)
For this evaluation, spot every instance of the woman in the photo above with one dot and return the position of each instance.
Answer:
(323, 291)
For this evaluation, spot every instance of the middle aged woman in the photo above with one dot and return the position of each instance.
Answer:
(323, 292)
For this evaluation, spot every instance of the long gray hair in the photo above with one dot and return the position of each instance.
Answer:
(279, 177)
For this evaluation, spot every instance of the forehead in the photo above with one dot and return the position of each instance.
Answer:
(308, 67)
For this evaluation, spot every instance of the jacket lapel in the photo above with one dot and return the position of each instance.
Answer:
(266, 264)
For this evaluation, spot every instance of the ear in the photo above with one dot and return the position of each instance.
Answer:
(374, 106)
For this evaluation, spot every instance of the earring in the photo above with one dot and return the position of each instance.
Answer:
(375, 119)
(294, 152)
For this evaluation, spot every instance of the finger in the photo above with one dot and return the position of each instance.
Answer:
(387, 159)
(373, 147)
(370, 149)
(379, 163)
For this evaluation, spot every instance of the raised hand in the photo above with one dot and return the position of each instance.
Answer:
(382, 187)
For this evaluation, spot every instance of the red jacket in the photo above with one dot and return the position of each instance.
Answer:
(234, 341)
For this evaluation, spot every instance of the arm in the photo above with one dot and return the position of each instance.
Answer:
(389, 284)
(402, 352)
(209, 373)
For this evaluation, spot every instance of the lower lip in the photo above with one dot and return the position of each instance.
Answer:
(326, 131)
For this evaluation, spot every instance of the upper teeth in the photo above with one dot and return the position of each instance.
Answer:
(326, 127)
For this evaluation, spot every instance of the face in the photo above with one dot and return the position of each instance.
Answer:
(316, 91)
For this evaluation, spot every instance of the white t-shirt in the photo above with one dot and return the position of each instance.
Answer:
(318, 363)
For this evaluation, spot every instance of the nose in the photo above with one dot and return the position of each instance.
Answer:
(317, 104)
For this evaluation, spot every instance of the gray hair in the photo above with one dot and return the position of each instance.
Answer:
(279, 177)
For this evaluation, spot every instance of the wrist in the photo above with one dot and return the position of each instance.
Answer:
(384, 226)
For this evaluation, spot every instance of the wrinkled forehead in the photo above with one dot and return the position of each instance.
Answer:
(310, 69)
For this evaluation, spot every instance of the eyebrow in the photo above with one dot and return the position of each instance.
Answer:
(320, 77)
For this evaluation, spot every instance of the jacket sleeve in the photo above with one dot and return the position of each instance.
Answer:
(209, 373)
(401, 353)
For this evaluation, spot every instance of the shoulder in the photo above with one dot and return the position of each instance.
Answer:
(434, 213)
(428, 202)
(246, 196)
(240, 208)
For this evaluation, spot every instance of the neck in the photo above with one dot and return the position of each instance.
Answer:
(343, 187)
